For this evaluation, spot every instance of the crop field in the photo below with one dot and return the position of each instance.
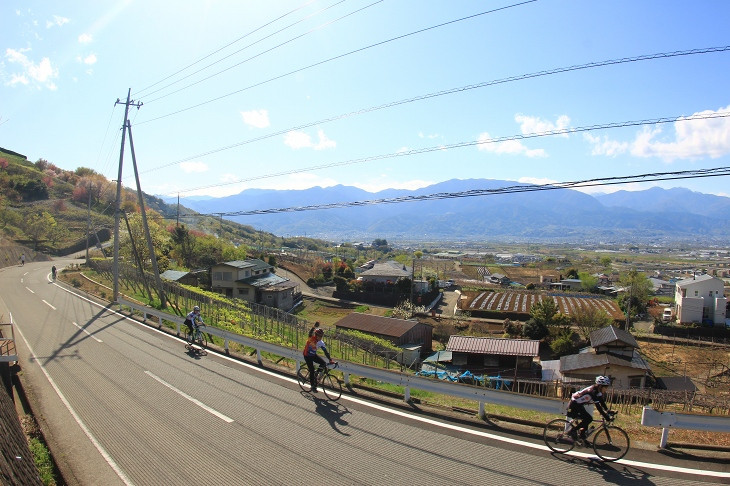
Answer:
(522, 302)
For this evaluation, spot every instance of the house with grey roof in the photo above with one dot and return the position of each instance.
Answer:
(613, 352)
(253, 281)
(383, 273)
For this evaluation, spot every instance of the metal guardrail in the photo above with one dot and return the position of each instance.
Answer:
(8, 352)
(460, 390)
(669, 420)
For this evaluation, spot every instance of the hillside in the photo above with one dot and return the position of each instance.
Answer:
(47, 210)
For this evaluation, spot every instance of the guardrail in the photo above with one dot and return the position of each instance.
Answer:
(8, 353)
(460, 390)
(669, 420)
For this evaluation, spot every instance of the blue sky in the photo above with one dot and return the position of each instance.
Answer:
(241, 94)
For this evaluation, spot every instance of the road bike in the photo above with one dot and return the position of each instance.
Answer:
(610, 442)
(196, 341)
(326, 380)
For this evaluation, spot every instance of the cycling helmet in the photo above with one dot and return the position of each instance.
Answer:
(196, 308)
(318, 332)
(603, 380)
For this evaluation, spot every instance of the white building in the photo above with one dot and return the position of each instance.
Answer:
(700, 299)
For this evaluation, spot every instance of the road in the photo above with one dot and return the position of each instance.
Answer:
(122, 403)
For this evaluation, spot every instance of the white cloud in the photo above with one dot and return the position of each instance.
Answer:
(536, 180)
(605, 146)
(256, 118)
(90, 59)
(509, 147)
(57, 21)
(533, 124)
(382, 183)
(85, 39)
(42, 73)
(193, 167)
(431, 136)
(693, 139)
(298, 140)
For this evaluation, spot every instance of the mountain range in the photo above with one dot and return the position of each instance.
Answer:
(480, 210)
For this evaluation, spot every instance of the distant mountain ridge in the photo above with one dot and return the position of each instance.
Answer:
(561, 215)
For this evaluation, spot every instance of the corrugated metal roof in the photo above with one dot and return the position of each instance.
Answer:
(384, 326)
(173, 275)
(388, 269)
(483, 345)
(264, 280)
(610, 334)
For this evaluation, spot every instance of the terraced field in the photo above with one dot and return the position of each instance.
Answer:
(522, 302)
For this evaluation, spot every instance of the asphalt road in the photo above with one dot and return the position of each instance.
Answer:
(124, 404)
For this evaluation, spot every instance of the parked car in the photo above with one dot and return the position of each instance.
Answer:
(667, 315)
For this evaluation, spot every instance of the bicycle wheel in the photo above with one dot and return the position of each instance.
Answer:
(201, 340)
(556, 438)
(611, 443)
(303, 379)
(332, 387)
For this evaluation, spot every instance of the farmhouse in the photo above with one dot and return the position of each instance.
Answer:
(382, 273)
(253, 281)
(701, 299)
(613, 352)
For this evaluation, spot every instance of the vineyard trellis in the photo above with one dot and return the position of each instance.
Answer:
(252, 318)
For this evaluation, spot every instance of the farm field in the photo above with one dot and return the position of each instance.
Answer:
(522, 302)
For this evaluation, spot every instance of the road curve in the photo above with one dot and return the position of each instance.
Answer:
(122, 403)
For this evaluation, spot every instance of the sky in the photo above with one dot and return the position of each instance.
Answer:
(375, 94)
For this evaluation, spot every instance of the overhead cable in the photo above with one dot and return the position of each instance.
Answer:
(222, 48)
(459, 89)
(471, 143)
(334, 58)
(257, 55)
(657, 176)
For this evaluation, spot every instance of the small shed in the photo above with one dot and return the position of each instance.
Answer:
(494, 355)
(179, 276)
(400, 332)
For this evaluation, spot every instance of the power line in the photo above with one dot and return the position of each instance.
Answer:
(471, 143)
(257, 55)
(657, 176)
(577, 67)
(335, 58)
(222, 48)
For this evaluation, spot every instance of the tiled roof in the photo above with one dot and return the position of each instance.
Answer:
(264, 280)
(388, 269)
(482, 345)
(610, 334)
(580, 361)
(252, 264)
(384, 326)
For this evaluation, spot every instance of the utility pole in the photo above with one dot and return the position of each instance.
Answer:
(118, 203)
(143, 212)
(88, 225)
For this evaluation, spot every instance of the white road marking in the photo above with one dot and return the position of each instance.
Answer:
(195, 401)
(29, 290)
(89, 334)
(73, 413)
(648, 465)
(49, 305)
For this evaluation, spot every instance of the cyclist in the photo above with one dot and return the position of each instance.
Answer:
(190, 321)
(593, 394)
(315, 343)
(53, 272)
